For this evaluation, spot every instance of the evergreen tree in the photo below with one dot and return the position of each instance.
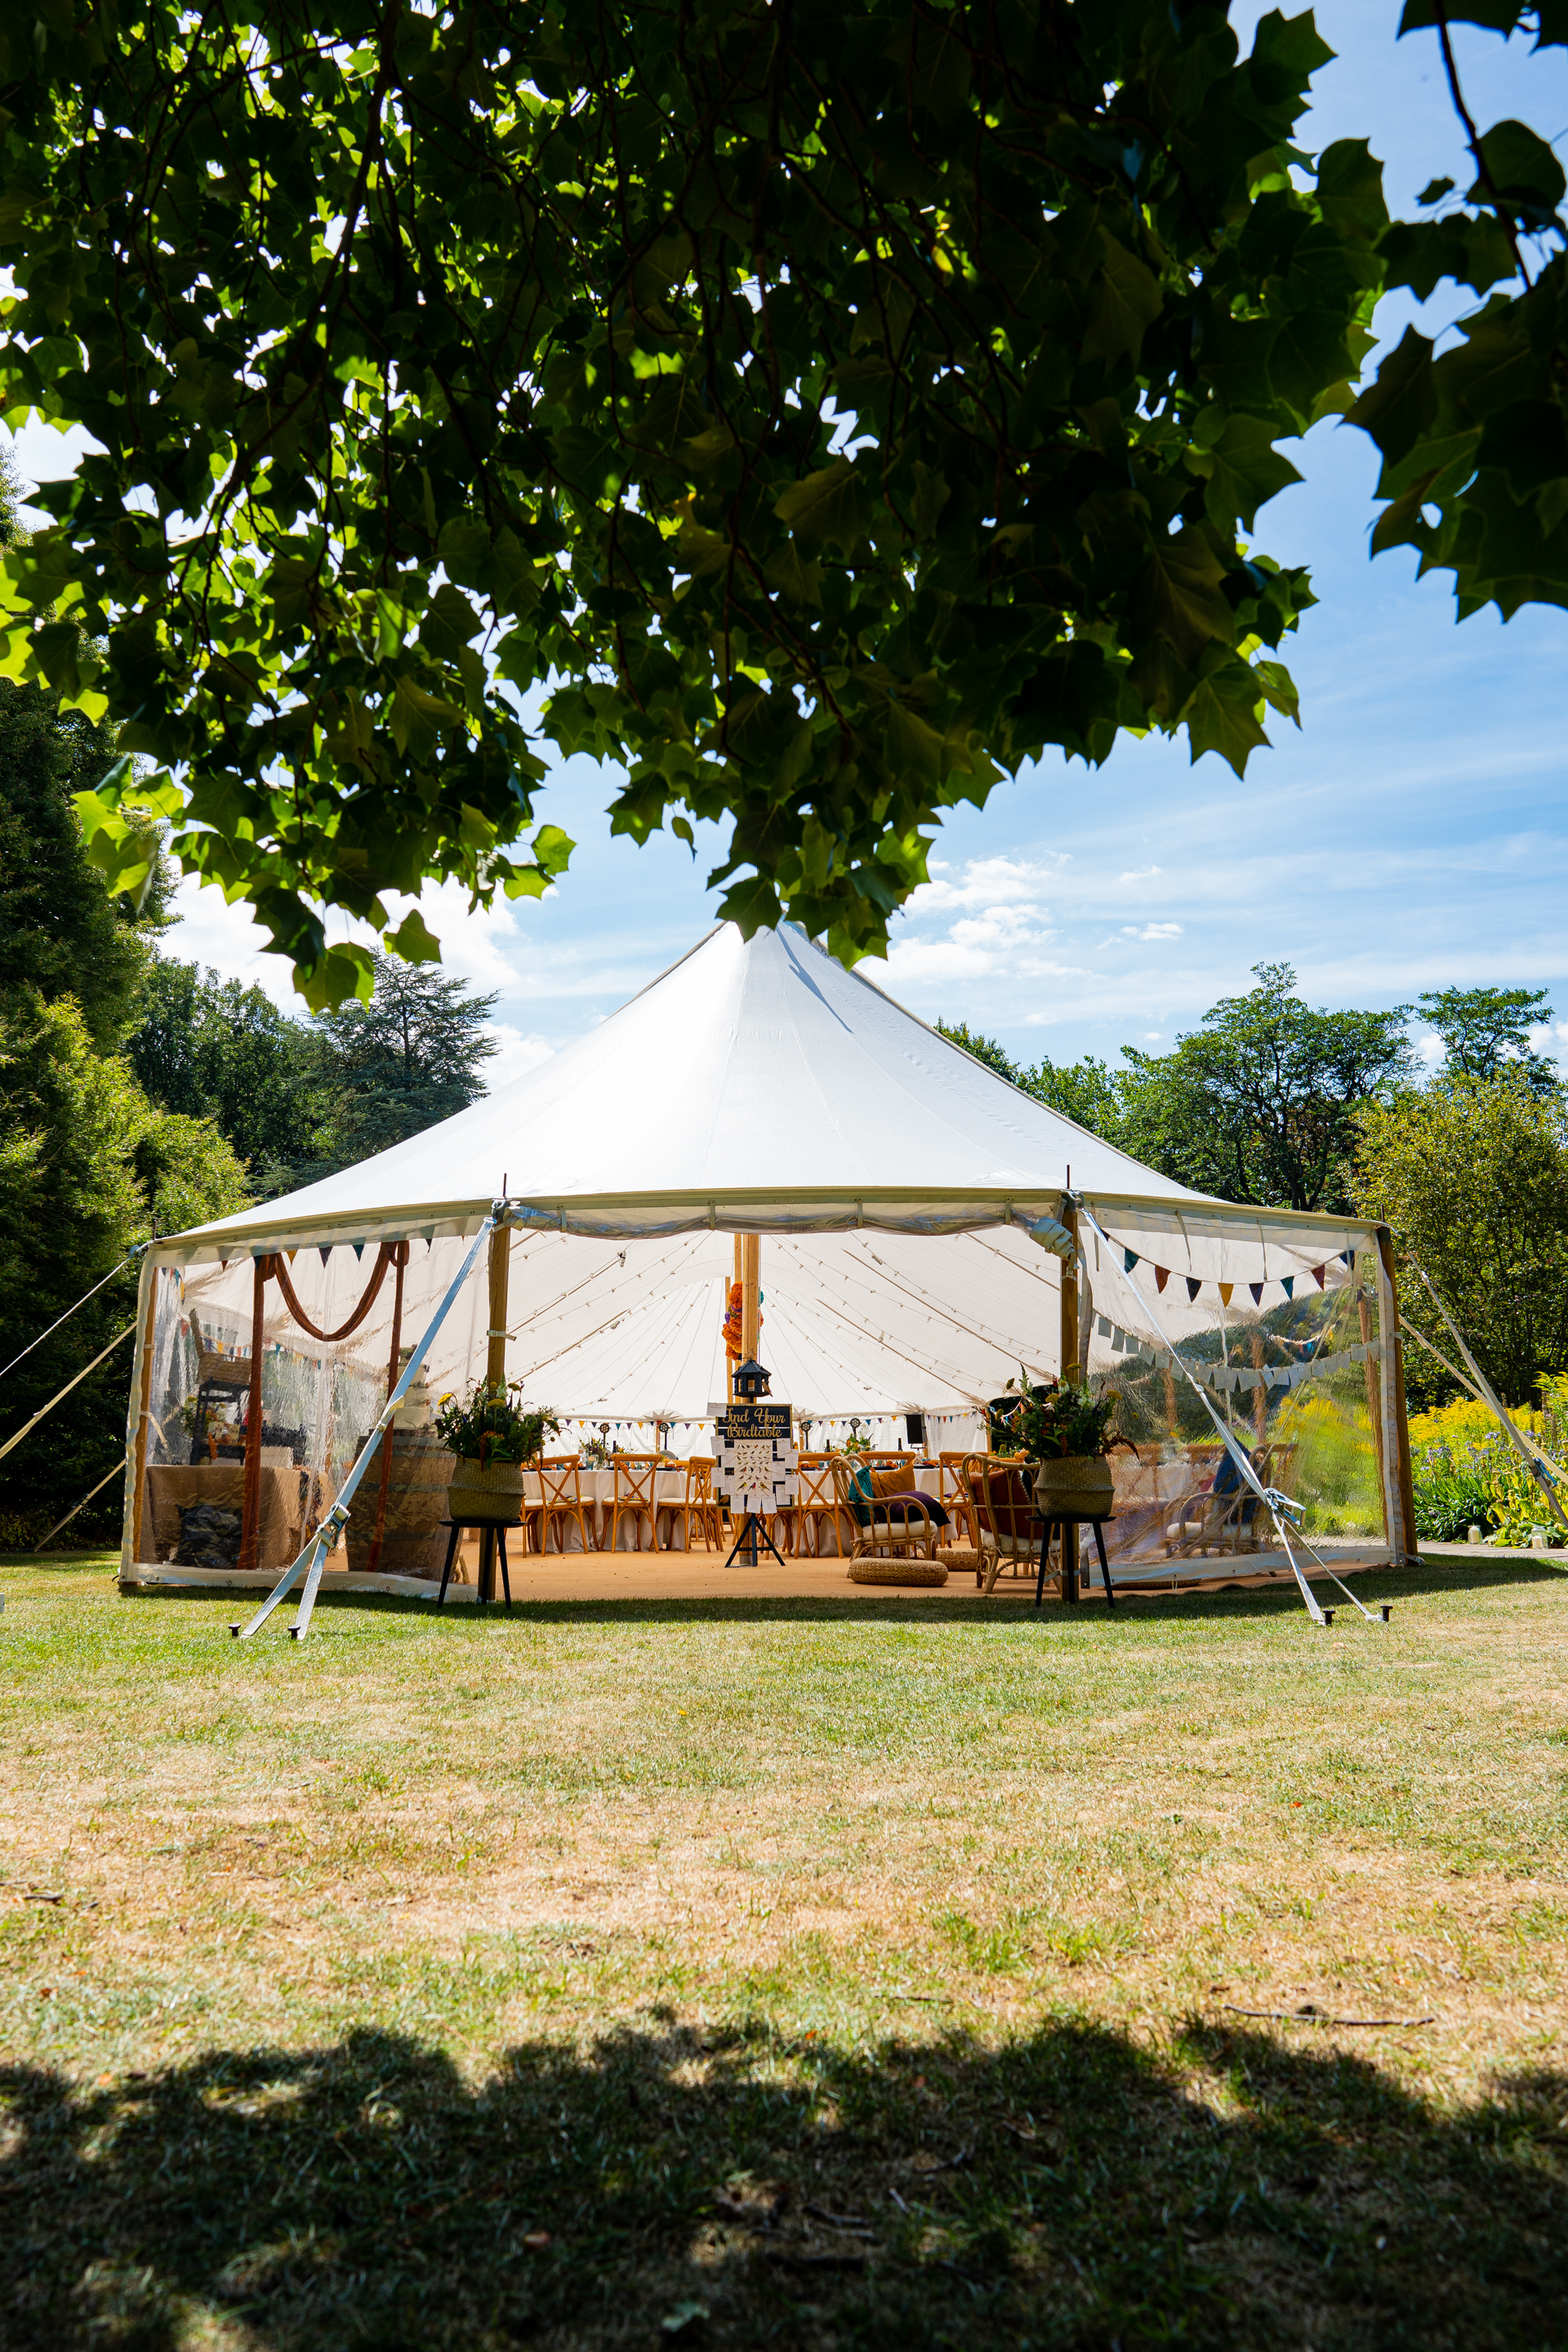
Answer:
(413, 1055)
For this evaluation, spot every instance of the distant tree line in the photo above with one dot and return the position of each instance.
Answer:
(297, 1099)
(1271, 1101)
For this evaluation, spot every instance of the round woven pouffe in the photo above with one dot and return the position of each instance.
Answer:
(963, 1562)
(897, 1571)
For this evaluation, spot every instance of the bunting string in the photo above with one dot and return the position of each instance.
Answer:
(1197, 1285)
(1232, 1379)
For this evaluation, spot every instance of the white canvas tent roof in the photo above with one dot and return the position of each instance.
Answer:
(756, 1078)
(755, 1085)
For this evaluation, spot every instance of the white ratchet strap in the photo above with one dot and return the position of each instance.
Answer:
(1281, 1509)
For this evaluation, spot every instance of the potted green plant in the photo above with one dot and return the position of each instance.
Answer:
(493, 1433)
(1069, 1434)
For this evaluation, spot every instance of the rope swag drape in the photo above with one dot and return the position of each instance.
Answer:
(274, 1266)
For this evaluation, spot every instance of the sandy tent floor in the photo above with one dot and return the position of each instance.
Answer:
(598, 1576)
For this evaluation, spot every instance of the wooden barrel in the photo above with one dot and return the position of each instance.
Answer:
(413, 1542)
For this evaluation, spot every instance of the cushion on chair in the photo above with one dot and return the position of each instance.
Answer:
(1005, 1503)
(900, 1481)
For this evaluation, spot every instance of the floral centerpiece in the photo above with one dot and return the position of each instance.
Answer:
(493, 1433)
(1070, 1432)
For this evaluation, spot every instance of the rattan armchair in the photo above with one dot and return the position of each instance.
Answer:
(876, 1528)
(1004, 1515)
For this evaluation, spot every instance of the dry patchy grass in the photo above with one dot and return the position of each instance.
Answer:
(859, 1975)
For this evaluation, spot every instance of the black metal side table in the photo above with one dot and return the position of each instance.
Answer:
(1065, 1519)
(496, 1527)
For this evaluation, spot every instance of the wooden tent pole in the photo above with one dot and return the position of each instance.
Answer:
(250, 1509)
(1393, 1392)
(495, 1376)
(141, 1388)
(1072, 1352)
(399, 1259)
(1374, 1412)
(740, 1276)
(751, 1285)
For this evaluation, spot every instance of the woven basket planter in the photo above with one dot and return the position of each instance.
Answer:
(491, 1490)
(1074, 1482)
(897, 1571)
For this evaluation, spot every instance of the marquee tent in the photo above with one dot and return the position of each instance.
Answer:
(918, 1212)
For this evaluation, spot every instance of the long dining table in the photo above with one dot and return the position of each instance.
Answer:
(597, 1489)
(818, 1534)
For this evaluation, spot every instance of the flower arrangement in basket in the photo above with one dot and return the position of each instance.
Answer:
(492, 1433)
(1070, 1433)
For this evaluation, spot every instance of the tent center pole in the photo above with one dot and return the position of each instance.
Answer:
(751, 1296)
(495, 1377)
(730, 1361)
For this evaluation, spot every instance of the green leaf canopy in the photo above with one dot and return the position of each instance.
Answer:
(816, 414)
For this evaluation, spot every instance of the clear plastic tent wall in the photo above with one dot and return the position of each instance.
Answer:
(1281, 1336)
(861, 1330)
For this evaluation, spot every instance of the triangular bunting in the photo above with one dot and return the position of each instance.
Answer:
(1130, 1257)
(1224, 1289)
(324, 1254)
(1256, 1290)
(358, 1248)
(1319, 1272)
(1347, 1257)
(1161, 1276)
(1194, 1286)
(1288, 1284)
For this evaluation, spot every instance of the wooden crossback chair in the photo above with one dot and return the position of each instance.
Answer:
(560, 1503)
(702, 1466)
(816, 1500)
(635, 1475)
(694, 1504)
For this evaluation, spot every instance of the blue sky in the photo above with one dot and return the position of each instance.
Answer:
(1411, 834)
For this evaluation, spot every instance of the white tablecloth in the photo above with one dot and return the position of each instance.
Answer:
(597, 1489)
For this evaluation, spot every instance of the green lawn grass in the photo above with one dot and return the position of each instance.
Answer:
(868, 1974)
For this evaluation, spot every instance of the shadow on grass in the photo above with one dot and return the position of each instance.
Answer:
(1064, 2191)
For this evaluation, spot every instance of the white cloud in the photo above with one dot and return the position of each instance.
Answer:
(988, 882)
(517, 1055)
(1141, 874)
(1151, 931)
